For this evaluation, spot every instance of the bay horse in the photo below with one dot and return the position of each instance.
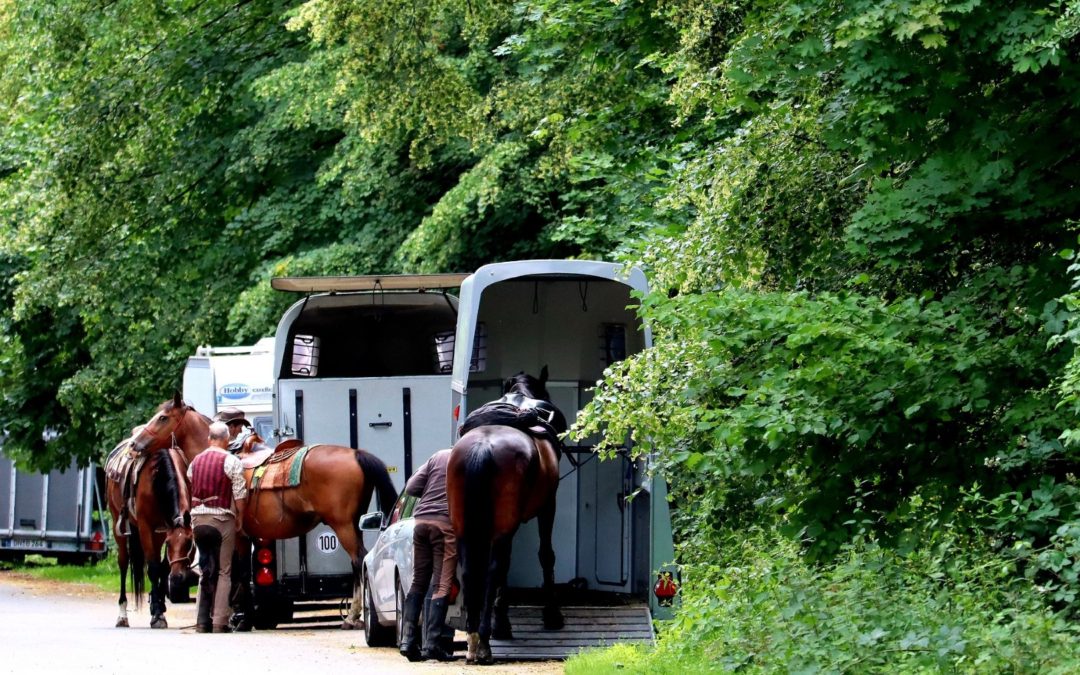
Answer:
(160, 518)
(336, 486)
(504, 471)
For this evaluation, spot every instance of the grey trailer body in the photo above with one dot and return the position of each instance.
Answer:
(367, 369)
(51, 514)
(612, 530)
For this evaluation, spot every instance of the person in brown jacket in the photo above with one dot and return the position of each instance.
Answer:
(434, 561)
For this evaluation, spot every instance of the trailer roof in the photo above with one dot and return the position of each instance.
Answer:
(371, 282)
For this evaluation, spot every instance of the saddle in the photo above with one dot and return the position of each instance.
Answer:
(535, 417)
(275, 468)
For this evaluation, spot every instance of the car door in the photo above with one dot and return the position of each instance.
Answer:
(392, 550)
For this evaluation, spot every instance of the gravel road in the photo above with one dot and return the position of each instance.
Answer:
(48, 627)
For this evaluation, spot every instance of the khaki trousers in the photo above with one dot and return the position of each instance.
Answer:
(215, 535)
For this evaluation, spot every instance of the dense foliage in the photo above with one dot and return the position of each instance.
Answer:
(858, 218)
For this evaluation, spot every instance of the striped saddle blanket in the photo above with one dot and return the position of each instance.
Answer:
(280, 469)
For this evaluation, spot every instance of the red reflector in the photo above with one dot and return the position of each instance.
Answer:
(264, 577)
(455, 588)
(264, 556)
(97, 542)
(665, 588)
(457, 411)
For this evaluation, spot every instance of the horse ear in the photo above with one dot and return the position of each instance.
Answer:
(178, 399)
(543, 374)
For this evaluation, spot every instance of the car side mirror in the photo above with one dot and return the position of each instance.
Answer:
(371, 521)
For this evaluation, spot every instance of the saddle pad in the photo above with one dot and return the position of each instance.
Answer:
(120, 458)
(278, 474)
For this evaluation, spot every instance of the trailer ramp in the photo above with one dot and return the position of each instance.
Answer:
(586, 627)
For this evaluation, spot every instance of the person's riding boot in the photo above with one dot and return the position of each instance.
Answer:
(410, 624)
(434, 619)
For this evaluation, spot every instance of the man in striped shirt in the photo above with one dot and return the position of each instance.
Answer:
(218, 498)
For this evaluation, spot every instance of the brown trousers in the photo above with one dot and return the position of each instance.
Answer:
(434, 557)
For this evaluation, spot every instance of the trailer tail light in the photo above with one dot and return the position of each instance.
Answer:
(264, 556)
(97, 542)
(264, 577)
(665, 589)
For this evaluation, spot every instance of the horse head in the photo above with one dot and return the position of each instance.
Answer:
(180, 553)
(533, 387)
(160, 430)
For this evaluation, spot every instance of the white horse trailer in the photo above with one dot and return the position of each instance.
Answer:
(219, 377)
(362, 362)
(612, 532)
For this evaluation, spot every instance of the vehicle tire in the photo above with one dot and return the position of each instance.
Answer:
(399, 614)
(375, 634)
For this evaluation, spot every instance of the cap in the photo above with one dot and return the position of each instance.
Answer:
(231, 415)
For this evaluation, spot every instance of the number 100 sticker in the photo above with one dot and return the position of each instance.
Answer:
(327, 542)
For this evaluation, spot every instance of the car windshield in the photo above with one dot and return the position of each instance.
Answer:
(403, 508)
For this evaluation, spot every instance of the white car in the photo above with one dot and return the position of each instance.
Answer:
(387, 574)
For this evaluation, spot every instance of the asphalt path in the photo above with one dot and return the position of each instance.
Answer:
(48, 627)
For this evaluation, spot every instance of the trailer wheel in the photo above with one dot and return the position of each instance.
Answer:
(267, 616)
(375, 634)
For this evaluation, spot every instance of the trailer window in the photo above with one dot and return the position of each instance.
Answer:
(444, 351)
(305, 355)
(613, 343)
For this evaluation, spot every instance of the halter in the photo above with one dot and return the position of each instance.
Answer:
(189, 557)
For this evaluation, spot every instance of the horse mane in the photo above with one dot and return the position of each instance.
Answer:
(166, 485)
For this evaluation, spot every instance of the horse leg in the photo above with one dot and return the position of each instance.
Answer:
(476, 557)
(157, 571)
(240, 594)
(500, 606)
(122, 561)
(351, 539)
(553, 619)
(497, 571)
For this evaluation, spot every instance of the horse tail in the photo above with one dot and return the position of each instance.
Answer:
(137, 561)
(479, 520)
(375, 474)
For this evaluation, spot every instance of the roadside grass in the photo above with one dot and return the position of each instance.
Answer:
(104, 575)
(632, 658)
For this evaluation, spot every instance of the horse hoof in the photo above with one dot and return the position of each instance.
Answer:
(352, 625)
(159, 622)
(122, 622)
(483, 654)
(553, 619)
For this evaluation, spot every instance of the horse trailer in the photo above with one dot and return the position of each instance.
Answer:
(393, 364)
(57, 514)
(362, 362)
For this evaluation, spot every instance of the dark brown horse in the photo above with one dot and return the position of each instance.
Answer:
(336, 485)
(503, 472)
(160, 518)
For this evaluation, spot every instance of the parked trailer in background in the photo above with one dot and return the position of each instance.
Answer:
(220, 377)
(58, 514)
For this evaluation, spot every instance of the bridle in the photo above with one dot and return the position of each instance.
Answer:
(189, 557)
